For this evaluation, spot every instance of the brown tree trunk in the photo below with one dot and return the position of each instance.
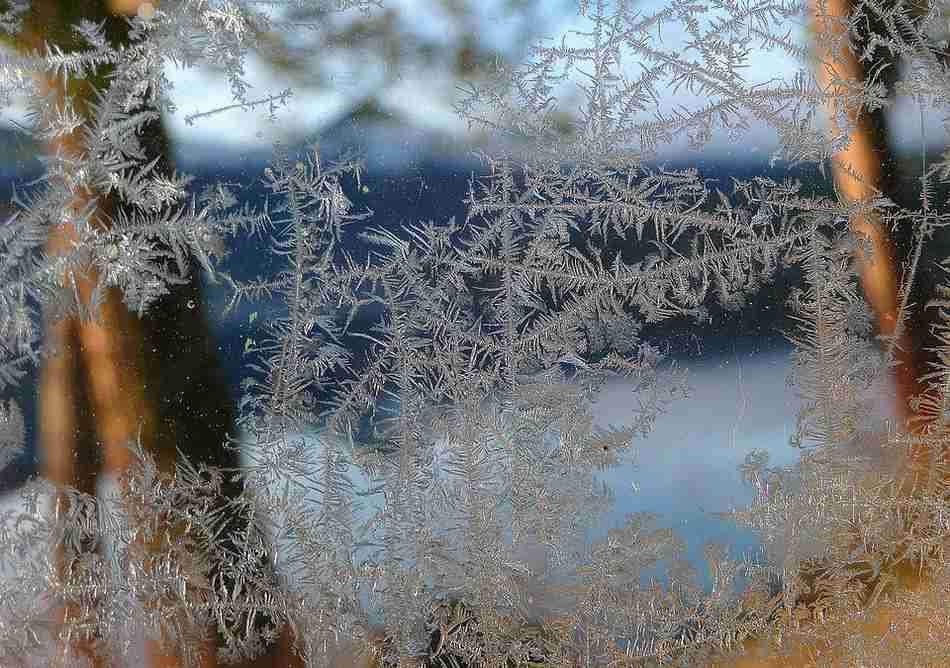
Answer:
(858, 173)
(122, 376)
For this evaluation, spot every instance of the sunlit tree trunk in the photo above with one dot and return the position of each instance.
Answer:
(119, 376)
(859, 176)
(93, 392)
(858, 173)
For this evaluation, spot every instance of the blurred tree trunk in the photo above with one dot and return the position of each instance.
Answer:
(866, 168)
(861, 171)
(122, 375)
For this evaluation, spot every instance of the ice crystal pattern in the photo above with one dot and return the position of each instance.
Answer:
(492, 337)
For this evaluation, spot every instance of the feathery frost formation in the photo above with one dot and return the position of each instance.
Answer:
(492, 338)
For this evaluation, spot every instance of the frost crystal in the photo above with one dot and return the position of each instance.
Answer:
(420, 416)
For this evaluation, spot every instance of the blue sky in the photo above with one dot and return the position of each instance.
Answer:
(424, 98)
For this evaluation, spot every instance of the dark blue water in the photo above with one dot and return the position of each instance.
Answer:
(433, 189)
